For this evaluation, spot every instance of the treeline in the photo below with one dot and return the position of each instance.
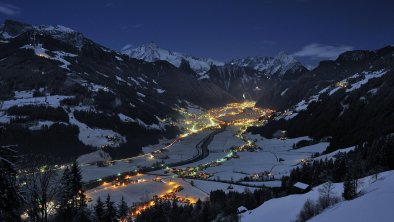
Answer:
(367, 158)
(303, 143)
(58, 140)
(98, 120)
(40, 194)
(34, 112)
(136, 136)
(362, 116)
(220, 207)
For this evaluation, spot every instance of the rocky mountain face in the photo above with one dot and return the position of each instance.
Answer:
(241, 82)
(290, 92)
(151, 52)
(350, 99)
(68, 95)
(282, 66)
(247, 78)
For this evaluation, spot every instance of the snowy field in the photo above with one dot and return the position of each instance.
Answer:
(182, 150)
(208, 186)
(53, 101)
(268, 159)
(375, 204)
(277, 156)
(219, 146)
(144, 191)
(333, 154)
(133, 193)
(225, 140)
(186, 148)
(94, 136)
(274, 183)
(248, 164)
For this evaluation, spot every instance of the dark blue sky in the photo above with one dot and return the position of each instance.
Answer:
(311, 29)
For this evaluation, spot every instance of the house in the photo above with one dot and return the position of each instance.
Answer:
(280, 134)
(241, 209)
(301, 187)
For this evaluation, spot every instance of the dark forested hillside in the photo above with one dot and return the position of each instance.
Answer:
(357, 104)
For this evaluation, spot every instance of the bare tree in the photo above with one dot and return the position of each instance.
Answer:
(308, 211)
(326, 194)
(41, 192)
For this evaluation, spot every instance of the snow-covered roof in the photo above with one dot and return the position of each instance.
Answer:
(301, 186)
(241, 209)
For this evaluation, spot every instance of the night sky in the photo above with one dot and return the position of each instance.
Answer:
(311, 30)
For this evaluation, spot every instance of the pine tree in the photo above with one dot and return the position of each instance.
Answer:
(65, 209)
(76, 187)
(10, 200)
(349, 189)
(73, 200)
(123, 210)
(99, 210)
(110, 210)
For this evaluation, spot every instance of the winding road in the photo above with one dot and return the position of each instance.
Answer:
(202, 152)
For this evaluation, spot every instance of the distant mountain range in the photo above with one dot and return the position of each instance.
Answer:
(151, 52)
(280, 66)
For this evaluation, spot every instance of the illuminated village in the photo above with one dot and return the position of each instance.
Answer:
(170, 176)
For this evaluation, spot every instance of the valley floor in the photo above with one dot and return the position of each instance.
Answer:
(275, 157)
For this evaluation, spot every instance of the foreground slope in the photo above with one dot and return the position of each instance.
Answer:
(374, 204)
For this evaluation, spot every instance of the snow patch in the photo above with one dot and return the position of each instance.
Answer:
(94, 157)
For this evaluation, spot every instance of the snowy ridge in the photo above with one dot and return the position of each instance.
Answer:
(58, 55)
(151, 52)
(271, 66)
(350, 84)
(94, 136)
(11, 29)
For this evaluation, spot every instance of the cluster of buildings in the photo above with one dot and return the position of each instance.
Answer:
(262, 176)
(191, 172)
(113, 140)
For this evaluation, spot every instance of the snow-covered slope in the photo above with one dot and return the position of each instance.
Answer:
(375, 204)
(11, 29)
(277, 66)
(151, 52)
(347, 85)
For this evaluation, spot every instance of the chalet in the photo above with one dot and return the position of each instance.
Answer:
(241, 209)
(300, 187)
(280, 134)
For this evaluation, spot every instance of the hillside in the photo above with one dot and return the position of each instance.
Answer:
(372, 205)
(351, 107)
(56, 84)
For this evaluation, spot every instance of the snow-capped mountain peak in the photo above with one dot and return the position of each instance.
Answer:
(151, 52)
(279, 66)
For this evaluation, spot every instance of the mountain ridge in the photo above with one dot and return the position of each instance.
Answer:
(151, 52)
(280, 66)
